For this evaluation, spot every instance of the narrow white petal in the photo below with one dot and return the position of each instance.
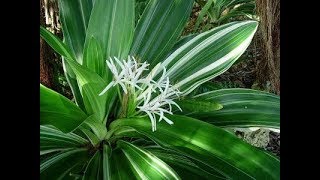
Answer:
(123, 87)
(107, 88)
(167, 120)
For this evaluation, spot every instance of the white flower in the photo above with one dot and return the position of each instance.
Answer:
(129, 74)
(153, 97)
(157, 105)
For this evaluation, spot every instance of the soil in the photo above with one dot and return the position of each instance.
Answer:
(274, 143)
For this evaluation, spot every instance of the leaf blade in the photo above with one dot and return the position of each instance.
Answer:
(242, 108)
(59, 111)
(208, 55)
(52, 169)
(158, 29)
(191, 136)
(56, 43)
(93, 58)
(146, 165)
(52, 140)
(74, 16)
(114, 33)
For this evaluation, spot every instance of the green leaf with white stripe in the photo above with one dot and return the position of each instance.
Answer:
(112, 25)
(59, 111)
(97, 127)
(209, 54)
(159, 28)
(120, 168)
(66, 54)
(94, 140)
(93, 57)
(198, 105)
(94, 169)
(183, 40)
(90, 83)
(61, 165)
(72, 81)
(145, 164)
(184, 166)
(56, 43)
(106, 162)
(74, 17)
(99, 165)
(95, 104)
(53, 140)
(210, 145)
(241, 108)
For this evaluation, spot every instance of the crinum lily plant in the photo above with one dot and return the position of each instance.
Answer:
(136, 113)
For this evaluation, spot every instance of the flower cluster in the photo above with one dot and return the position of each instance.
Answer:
(153, 97)
(129, 74)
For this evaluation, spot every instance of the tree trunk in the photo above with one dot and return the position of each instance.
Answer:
(269, 29)
(46, 71)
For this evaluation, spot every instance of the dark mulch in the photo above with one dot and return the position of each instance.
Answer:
(274, 143)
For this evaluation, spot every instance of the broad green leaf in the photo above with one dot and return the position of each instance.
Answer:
(117, 133)
(94, 140)
(94, 169)
(93, 57)
(145, 164)
(44, 157)
(182, 41)
(72, 81)
(61, 165)
(208, 55)
(112, 25)
(56, 43)
(96, 126)
(184, 166)
(83, 74)
(120, 169)
(74, 17)
(66, 54)
(95, 104)
(241, 108)
(53, 140)
(59, 111)
(209, 144)
(198, 105)
(90, 83)
(99, 166)
(106, 162)
(159, 28)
